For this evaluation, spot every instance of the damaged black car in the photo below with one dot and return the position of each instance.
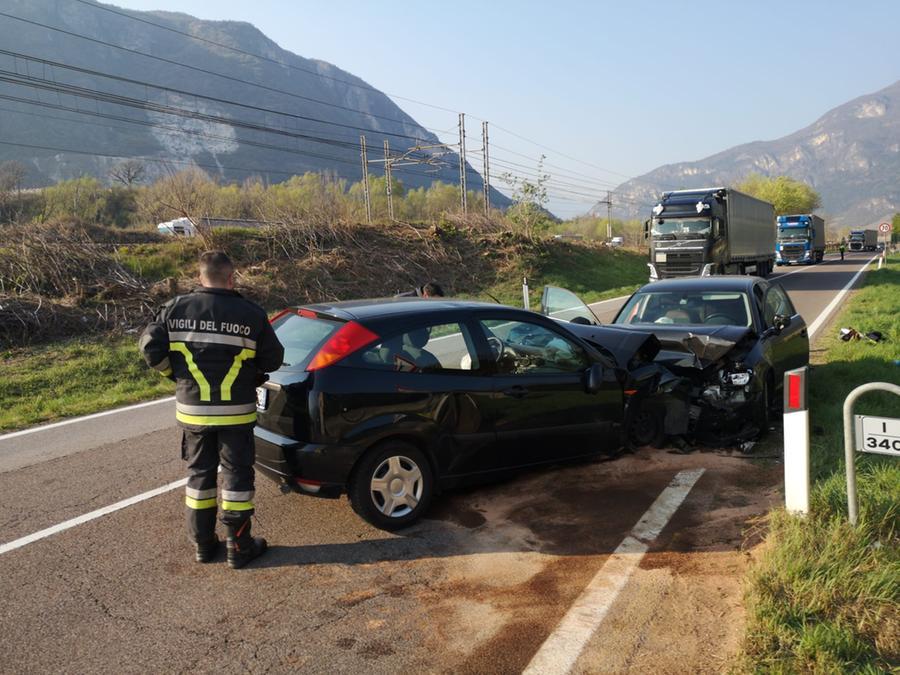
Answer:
(728, 338)
(392, 400)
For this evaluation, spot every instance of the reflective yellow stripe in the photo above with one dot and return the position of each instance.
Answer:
(182, 349)
(215, 420)
(237, 506)
(232, 374)
(199, 504)
(166, 372)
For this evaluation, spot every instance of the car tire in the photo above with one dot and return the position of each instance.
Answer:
(392, 485)
(648, 428)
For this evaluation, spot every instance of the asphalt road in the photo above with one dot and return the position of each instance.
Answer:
(479, 586)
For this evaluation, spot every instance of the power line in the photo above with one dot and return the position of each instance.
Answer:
(182, 92)
(308, 71)
(164, 127)
(205, 71)
(258, 56)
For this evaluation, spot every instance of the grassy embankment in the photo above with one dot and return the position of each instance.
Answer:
(824, 596)
(90, 373)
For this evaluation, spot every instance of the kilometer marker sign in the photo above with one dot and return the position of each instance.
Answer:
(878, 435)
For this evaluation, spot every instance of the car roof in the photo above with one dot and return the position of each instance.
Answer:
(377, 308)
(725, 282)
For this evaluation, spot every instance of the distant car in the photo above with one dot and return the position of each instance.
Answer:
(732, 336)
(179, 227)
(392, 400)
(616, 242)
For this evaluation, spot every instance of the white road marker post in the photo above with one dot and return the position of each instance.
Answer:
(855, 432)
(526, 302)
(796, 442)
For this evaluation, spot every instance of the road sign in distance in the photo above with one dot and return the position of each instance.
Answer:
(884, 227)
(878, 435)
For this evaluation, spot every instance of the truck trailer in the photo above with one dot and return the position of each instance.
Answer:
(800, 239)
(710, 231)
(863, 240)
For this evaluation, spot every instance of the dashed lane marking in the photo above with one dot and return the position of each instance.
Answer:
(561, 650)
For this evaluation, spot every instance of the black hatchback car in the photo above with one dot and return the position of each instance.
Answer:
(393, 400)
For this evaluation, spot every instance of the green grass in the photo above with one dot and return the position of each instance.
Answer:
(75, 377)
(154, 262)
(824, 596)
(592, 273)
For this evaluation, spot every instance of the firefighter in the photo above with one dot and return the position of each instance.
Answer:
(217, 346)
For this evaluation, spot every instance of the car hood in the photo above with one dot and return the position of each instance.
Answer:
(695, 346)
(630, 348)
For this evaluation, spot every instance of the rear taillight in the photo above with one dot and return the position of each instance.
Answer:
(348, 339)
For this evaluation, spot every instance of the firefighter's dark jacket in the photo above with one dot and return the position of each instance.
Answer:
(215, 344)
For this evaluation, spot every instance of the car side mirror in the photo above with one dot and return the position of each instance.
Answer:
(781, 322)
(646, 229)
(594, 381)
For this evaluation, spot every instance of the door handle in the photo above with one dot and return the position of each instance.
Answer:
(518, 391)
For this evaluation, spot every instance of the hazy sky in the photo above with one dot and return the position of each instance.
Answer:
(625, 86)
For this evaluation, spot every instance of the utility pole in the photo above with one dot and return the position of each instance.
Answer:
(388, 179)
(365, 170)
(608, 216)
(486, 177)
(462, 162)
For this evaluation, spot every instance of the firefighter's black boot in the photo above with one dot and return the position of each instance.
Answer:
(241, 547)
(206, 551)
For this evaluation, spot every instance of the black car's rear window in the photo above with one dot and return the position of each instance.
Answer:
(302, 337)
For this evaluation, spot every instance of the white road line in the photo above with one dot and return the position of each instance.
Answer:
(825, 313)
(68, 524)
(561, 650)
(602, 302)
(84, 418)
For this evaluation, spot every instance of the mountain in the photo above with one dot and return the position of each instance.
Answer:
(68, 121)
(851, 155)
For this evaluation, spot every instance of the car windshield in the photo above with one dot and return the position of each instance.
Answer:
(680, 226)
(713, 308)
(793, 233)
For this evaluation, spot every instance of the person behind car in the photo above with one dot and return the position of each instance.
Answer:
(217, 346)
(429, 290)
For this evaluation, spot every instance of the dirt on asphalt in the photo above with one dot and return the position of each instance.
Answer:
(545, 536)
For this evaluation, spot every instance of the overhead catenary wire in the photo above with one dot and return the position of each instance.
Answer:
(573, 183)
(197, 95)
(133, 17)
(260, 56)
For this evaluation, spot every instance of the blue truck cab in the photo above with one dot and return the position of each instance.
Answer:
(800, 239)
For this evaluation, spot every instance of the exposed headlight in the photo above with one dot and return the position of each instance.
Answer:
(739, 379)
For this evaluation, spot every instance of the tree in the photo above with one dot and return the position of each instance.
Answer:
(128, 173)
(528, 211)
(12, 174)
(786, 194)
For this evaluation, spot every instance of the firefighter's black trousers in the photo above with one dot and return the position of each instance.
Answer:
(203, 451)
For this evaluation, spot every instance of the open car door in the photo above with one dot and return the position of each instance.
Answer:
(563, 305)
